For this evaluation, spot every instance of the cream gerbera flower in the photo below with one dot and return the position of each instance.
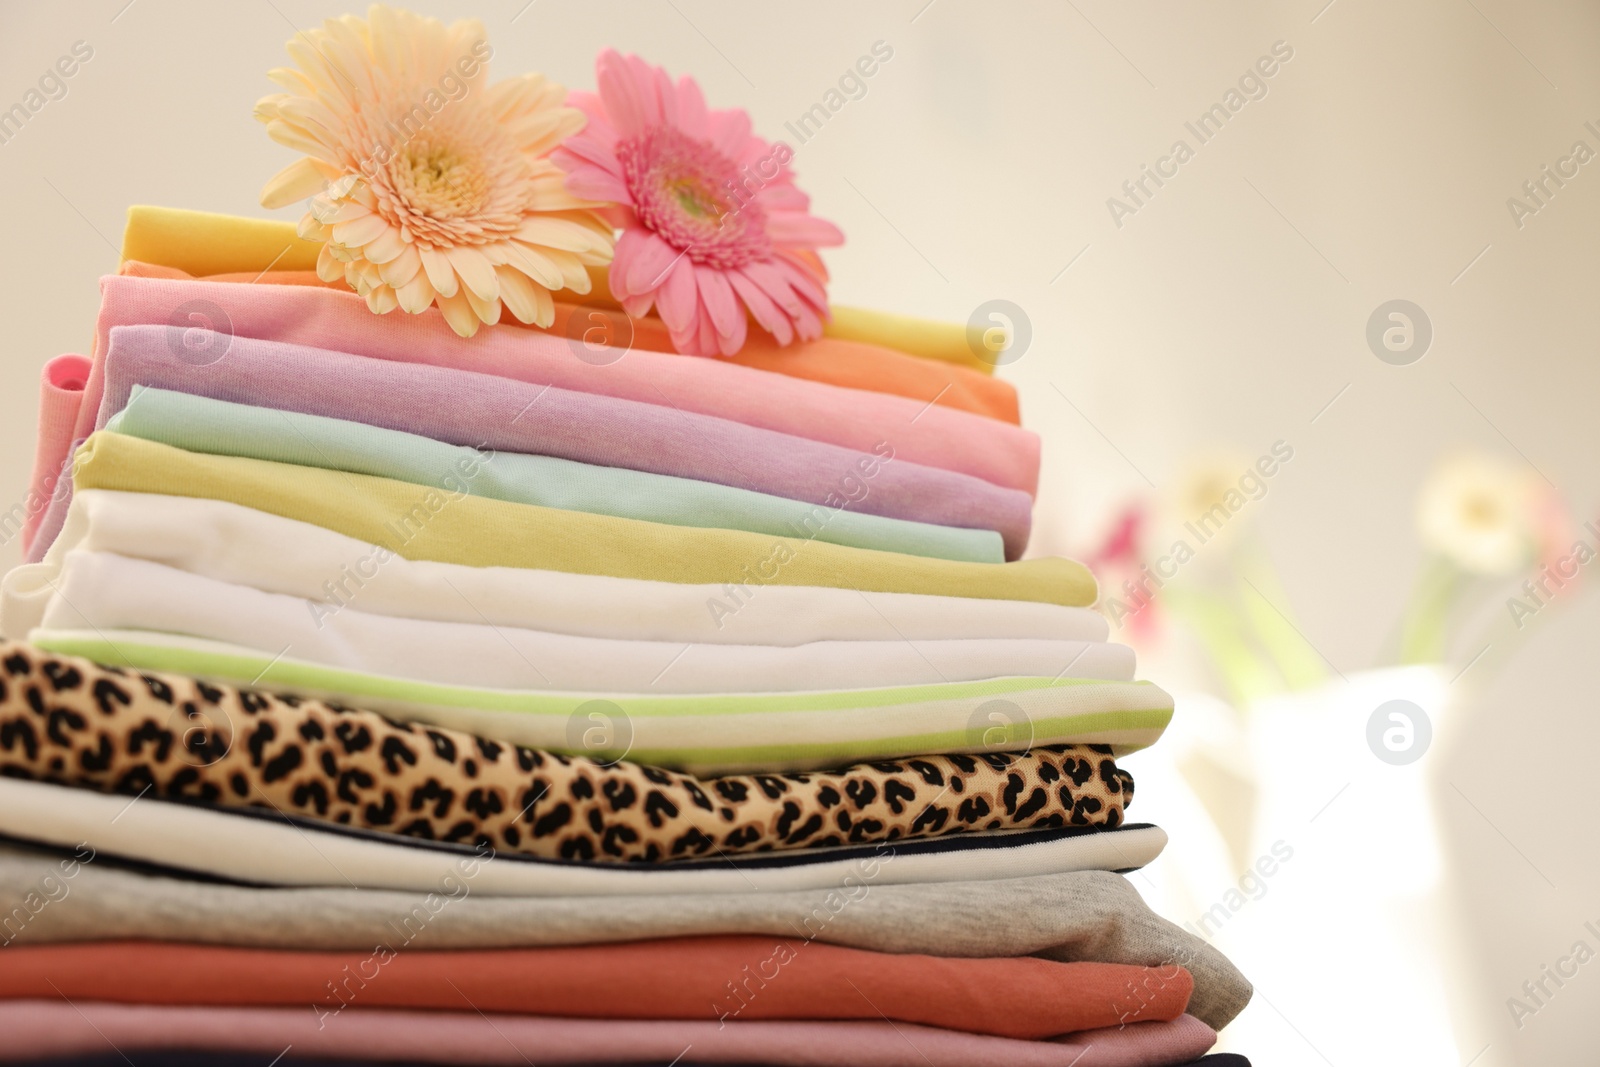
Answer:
(1481, 512)
(427, 184)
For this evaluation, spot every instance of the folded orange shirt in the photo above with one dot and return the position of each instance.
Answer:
(743, 978)
(851, 364)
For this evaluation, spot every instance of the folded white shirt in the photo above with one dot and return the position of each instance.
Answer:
(241, 545)
(106, 591)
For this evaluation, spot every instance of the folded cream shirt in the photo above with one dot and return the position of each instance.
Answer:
(269, 850)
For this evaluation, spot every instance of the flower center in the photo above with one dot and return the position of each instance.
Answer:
(439, 182)
(691, 196)
(1483, 511)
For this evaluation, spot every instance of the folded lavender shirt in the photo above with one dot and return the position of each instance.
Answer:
(462, 407)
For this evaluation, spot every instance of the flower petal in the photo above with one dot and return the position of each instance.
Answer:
(402, 268)
(416, 295)
(619, 92)
(441, 275)
(535, 263)
(474, 272)
(597, 184)
(716, 295)
(676, 298)
(789, 228)
(770, 316)
(381, 299)
(693, 119)
(459, 314)
(649, 260)
(518, 293)
(329, 269)
(386, 246)
(487, 310)
(357, 232)
(300, 180)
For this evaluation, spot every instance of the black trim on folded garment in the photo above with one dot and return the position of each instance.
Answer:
(124, 863)
(800, 857)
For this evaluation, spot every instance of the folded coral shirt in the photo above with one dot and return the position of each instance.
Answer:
(743, 978)
(214, 313)
(273, 849)
(484, 411)
(38, 1028)
(718, 733)
(103, 591)
(420, 522)
(200, 424)
(232, 543)
(854, 364)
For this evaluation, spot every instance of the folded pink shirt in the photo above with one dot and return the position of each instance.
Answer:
(35, 1029)
(60, 395)
(919, 432)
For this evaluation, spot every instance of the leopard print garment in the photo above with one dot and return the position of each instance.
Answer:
(70, 721)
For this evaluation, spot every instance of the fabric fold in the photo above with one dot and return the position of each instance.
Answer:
(487, 412)
(710, 734)
(205, 243)
(233, 543)
(218, 427)
(211, 315)
(53, 1027)
(867, 363)
(744, 979)
(102, 591)
(173, 737)
(424, 523)
(1089, 915)
(277, 850)
(61, 388)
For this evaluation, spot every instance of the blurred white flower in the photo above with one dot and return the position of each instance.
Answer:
(1482, 513)
(1205, 501)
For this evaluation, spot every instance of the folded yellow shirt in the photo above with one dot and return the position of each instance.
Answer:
(200, 242)
(424, 523)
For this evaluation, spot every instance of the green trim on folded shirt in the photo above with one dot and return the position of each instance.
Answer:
(421, 522)
(182, 657)
(1125, 729)
(220, 427)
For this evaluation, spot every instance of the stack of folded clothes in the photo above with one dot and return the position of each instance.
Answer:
(397, 690)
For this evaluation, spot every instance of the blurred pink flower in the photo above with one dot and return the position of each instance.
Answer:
(712, 223)
(1118, 565)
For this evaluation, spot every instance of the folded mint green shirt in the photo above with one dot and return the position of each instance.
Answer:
(218, 427)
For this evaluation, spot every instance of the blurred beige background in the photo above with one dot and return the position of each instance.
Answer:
(1228, 311)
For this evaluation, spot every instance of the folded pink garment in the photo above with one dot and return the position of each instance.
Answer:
(35, 1029)
(511, 416)
(60, 395)
(919, 431)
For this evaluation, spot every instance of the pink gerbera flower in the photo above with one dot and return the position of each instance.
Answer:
(712, 223)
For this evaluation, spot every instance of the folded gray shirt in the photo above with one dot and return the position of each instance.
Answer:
(1090, 915)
